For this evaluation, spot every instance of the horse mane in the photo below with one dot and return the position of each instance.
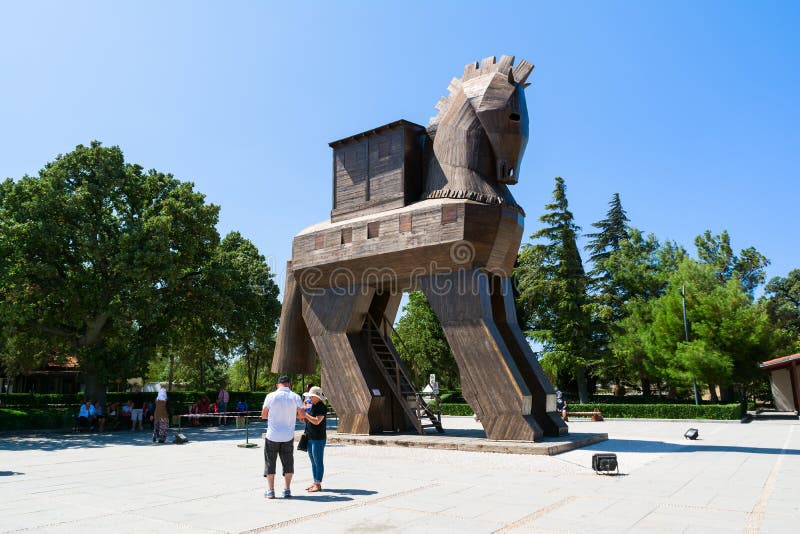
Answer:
(489, 65)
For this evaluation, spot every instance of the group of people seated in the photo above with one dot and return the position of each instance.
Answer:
(200, 411)
(132, 414)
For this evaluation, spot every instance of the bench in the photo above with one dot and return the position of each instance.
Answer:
(594, 415)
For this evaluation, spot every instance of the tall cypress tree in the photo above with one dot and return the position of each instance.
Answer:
(608, 298)
(612, 231)
(553, 296)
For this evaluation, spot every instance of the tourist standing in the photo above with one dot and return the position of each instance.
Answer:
(161, 417)
(281, 408)
(316, 434)
(137, 409)
(222, 402)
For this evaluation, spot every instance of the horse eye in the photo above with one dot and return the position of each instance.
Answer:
(514, 117)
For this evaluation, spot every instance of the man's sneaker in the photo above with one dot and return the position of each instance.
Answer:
(269, 494)
(287, 493)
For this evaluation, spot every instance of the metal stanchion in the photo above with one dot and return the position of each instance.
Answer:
(247, 444)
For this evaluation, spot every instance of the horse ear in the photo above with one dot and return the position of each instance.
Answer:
(522, 71)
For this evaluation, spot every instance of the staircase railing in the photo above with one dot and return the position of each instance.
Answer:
(401, 378)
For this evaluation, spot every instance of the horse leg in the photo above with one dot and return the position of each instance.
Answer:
(294, 352)
(351, 380)
(491, 379)
(543, 394)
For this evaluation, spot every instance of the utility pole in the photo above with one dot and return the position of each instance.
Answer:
(686, 332)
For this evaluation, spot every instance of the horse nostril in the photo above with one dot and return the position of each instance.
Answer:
(514, 117)
(511, 172)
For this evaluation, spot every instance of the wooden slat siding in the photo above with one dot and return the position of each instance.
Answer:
(346, 236)
(367, 179)
(427, 243)
(319, 241)
(449, 213)
(369, 171)
(542, 393)
(405, 222)
(294, 351)
(496, 388)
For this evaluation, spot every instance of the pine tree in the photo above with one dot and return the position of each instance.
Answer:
(613, 230)
(608, 297)
(553, 296)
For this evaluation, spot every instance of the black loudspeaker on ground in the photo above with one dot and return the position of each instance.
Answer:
(692, 433)
(180, 439)
(605, 462)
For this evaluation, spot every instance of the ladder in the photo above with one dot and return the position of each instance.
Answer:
(396, 375)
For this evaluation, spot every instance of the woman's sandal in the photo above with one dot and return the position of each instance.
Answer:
(315, 487)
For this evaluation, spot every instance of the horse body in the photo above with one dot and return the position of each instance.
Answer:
(458, 243)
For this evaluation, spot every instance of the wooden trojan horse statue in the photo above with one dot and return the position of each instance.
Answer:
(422, 209)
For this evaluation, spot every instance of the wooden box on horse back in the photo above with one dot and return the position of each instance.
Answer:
(377, 170)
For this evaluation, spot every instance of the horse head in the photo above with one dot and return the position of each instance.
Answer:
(480, 133)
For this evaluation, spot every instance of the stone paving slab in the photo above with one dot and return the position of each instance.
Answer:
(735, 478)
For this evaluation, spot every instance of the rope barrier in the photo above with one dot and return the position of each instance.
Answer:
(221, 416)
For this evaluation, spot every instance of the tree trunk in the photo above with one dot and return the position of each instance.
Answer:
(95, 389)
(728, 394)
(202, 374)
(583, 389)
(712, 389)
(646, 391)
(171, 367)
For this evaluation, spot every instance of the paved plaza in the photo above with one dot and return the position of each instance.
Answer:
(735, 478)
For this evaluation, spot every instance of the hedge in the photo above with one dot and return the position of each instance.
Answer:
(455, 409)
(180, 398)
(634, 411)
(630, 399)
(664, 411)
(36, 418)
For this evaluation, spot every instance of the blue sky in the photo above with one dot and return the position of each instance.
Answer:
(689, 110)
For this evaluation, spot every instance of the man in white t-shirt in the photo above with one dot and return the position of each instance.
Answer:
(281, 408)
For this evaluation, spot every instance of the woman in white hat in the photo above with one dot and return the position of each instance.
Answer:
(317, 435)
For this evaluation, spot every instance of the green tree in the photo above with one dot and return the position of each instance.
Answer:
(421, 343)
(97, 258)
(782, 298)
(749, 266)
(553, 295)
(607, 296)
(613, 231)
(728, 333)
(639, 271)
(251, 306)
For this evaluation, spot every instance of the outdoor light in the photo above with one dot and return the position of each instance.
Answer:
(180, 439)
(692, 433)
(605, 462)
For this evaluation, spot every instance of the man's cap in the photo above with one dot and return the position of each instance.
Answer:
(283, 379)
(558, 392)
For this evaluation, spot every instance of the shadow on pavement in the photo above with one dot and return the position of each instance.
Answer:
(633, 445)
(10, 473)
(321, 498)
(56, 441)
(350, 491)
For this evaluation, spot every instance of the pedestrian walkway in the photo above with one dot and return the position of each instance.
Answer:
(735, 478)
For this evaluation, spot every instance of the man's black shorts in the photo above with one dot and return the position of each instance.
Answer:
(271, 451)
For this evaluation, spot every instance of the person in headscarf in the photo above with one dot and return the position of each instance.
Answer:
(161, 417)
